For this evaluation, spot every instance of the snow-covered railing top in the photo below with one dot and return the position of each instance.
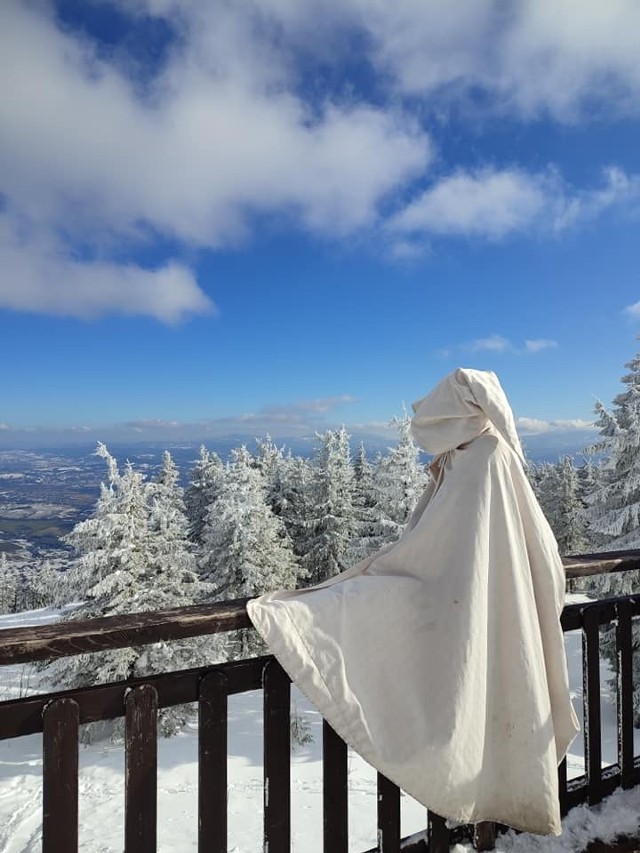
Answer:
(62, 639)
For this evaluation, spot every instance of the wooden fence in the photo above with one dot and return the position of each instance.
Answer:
(59, 715)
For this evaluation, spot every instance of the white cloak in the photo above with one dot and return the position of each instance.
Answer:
(440, 659)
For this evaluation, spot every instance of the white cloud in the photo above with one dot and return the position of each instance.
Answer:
(488, 204)
(539, 344)
(223, 132)
(532, 57)
(38, 275)
(493, 204)
(535, 426)
(633, 310)
(499, 344)
(221, 136)
(494, 343)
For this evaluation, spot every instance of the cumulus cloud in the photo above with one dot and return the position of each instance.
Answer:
(224, 130)
(220, 137)
(532, 57)
(633, 311)
(493, 204)
(39, 275)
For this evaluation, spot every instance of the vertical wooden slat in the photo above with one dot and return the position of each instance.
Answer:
(438, 834)
(388, 816)
(141, 765)
(562, 787)
(335, 792)
(277, 759)
(591, 695)
(484, 835)
(212, 764)
(60, 777)
(625, 693)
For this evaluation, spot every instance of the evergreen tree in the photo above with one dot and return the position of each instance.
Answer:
(123, 567)
(170, 548)
(400, 479)
(9, 585)
(294, 500)
(331, 525)
(368, 537)
(205, 480)
(246, 548)
(614, 506)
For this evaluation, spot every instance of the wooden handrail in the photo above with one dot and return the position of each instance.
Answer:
(62, 639)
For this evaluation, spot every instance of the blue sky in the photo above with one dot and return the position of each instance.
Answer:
(279, 215)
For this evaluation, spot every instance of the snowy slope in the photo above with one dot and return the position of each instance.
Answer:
(102, 783)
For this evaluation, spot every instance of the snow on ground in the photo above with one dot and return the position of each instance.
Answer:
(102, 782)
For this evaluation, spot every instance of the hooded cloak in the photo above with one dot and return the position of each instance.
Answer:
(440, 659)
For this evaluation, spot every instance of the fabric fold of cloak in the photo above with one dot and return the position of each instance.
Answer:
(440, 659)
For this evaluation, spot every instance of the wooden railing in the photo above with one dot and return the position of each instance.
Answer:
(59, 715)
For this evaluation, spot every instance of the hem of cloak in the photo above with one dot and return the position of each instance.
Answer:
(294, 665)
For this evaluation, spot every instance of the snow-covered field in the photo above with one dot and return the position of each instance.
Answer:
(102, 782)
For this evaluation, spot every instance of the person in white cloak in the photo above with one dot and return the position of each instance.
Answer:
(440, 659)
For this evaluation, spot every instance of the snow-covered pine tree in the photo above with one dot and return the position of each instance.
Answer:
(246, 550)
(400, 479)
(367, 538)
(205, 480)
(41, 586)
(9, 585)
(613, 510)
(121, 568)
(332, 522)
(170, 548)
(559, 493)
(294, 500)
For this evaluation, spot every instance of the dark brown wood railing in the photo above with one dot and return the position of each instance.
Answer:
(59, 715)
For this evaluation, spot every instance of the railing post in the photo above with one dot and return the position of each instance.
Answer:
(277, 759)
(438, 834)
(141, 766)
(335, 792)
(484, 835)
(591, 696)
(624, 654)
(388, 815)
(60, 777)
(212, 764)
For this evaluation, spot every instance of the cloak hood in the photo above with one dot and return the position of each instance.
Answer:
(465, 404)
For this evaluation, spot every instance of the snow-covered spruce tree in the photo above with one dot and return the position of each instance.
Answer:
(613, 508)
(41, 586)
(9, 585)
(275, 467)
(123, 566)
(368, 537)
(399, 479)
(246, 550)
(331, 524)
(170, 548)
(205, 480)
(561, 500)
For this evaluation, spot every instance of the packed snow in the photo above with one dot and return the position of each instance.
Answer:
(102, 782)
